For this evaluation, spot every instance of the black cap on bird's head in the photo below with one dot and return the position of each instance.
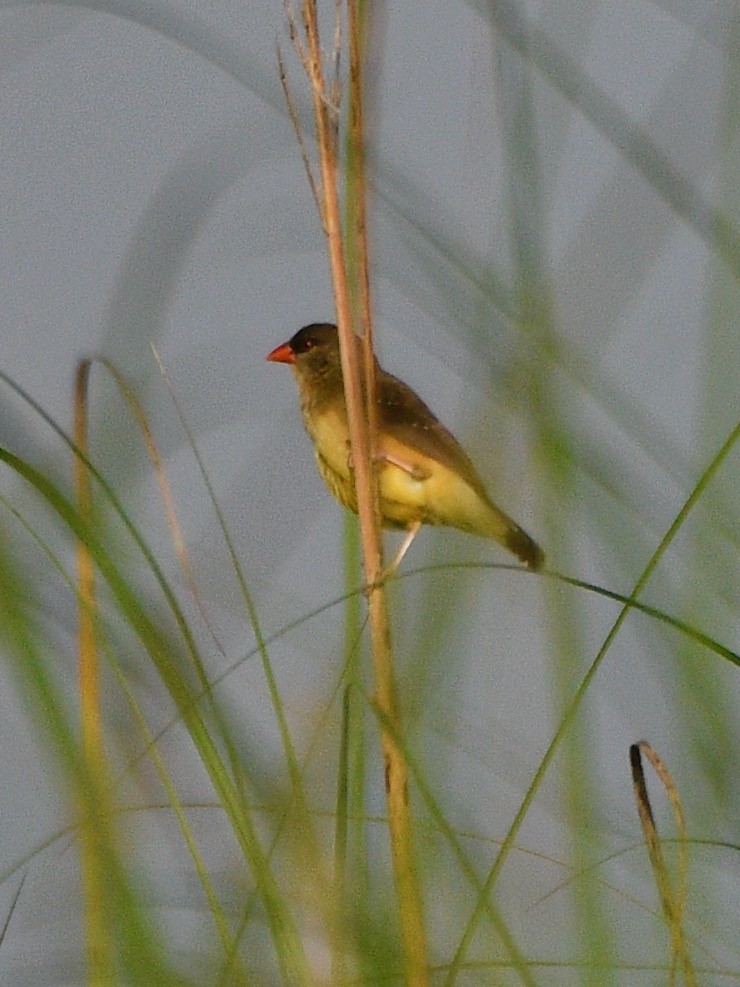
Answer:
(320, 338)
(313, 353)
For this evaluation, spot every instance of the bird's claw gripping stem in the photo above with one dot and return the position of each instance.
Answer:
(415, 472)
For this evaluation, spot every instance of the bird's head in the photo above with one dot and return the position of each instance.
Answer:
(313, 352)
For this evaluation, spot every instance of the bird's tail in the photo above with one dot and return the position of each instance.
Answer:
(525, 549)
(492, 522)
(468, 507)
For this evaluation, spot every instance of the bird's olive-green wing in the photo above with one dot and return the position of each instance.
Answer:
(409, 421)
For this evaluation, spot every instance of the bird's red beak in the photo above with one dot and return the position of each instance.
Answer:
(282, 354)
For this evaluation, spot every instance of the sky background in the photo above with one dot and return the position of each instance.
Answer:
(153, 193)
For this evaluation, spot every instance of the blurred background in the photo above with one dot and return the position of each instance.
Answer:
(554, 272)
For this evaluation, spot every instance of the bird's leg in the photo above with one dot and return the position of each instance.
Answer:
(411, 533)
(415, 472)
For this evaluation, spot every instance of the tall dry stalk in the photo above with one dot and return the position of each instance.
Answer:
(358, 369)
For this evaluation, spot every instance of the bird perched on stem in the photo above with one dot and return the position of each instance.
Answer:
(424, 475)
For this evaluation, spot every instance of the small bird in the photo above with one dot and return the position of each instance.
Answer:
(424, 476)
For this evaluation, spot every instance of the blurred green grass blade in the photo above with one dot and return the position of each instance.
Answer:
(712, 589)
(188, 30)
(249, 604)
(304, 820)
(169, 787)
(683, 627)
(534, 290)
(47, 489)
(228, 942)
(287, 942)
(351, 859)
(483, 901)
(526, 37)
(186, 700)
(145, 964)
(689, 631)
(570, 713)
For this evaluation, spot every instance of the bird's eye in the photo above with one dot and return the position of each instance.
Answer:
(304, 345)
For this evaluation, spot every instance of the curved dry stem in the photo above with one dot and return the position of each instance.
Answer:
(673, 901)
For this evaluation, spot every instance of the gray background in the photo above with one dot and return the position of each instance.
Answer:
(152, 191)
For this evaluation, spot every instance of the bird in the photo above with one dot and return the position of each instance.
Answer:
(424, 475)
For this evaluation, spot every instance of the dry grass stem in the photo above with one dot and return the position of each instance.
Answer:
(673, 901)
(299, 136)
(358, 384)
(178, 540)
(99, 945)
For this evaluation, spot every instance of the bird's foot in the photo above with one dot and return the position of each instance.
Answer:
(389, 570)
(415, 472)
(412, 532)
(382, 458)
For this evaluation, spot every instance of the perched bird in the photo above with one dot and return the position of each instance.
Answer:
(424, 476)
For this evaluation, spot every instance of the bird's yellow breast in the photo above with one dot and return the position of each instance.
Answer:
(426, 491)
(330, 436)
(418, 490)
